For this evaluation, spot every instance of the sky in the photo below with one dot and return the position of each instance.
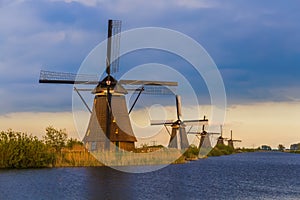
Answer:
(255, 45)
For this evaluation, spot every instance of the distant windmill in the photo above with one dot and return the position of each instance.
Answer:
(109, 121)
(178, 135)
(231, 141)
(203, 137)
(221, 139)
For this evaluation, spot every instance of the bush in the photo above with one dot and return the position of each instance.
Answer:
(19, 150)
(220, 150)
(192, 152)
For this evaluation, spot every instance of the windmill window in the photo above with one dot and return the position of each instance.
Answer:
(93, 146)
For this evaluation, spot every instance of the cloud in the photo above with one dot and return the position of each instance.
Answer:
(35, 123)
(264, 123)
(196, 4)
(29, 43)
(83, 2)
(254, 44)
(130, 5)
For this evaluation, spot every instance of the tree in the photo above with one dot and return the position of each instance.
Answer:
(55, 138)
(281, 147)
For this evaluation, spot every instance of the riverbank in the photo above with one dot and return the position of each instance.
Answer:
(20, 150)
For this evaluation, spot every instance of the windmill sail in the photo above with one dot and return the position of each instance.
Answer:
(178, 106)
(67, 78)
(113, 46)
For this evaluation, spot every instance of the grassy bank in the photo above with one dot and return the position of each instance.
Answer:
(21, 150)
(220, 150)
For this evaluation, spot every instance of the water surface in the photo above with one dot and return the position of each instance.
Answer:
(270, 175)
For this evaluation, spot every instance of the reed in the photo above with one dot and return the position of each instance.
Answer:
(124, 158)
(76, 156)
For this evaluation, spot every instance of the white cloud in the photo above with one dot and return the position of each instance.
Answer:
(196, 4)
(138, 5)
(146, 6)
(90, 3)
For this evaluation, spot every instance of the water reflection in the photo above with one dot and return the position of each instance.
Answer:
(241, 176)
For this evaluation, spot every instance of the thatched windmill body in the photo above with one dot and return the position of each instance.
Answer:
(109, 127)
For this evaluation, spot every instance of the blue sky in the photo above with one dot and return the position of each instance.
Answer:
(254, 43)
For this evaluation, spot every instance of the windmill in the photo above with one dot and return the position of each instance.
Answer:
(203, 137)
(221, 139)
(178, 135)
(109, 127)
(231, 141)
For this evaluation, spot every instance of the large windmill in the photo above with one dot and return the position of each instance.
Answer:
(109, 127)
(178, 135)
(231, 141)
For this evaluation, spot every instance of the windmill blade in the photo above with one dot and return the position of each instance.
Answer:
(178, 107)
(115, 45)
(211, 133)
(84, 89)
(197, 122)
(194, 133)
(151, 89)
(108, 47)
(158, 90)
(237, 140)
(67, 78)
(198, 133)
(221, 129)
(142, 82)
(160, 122)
